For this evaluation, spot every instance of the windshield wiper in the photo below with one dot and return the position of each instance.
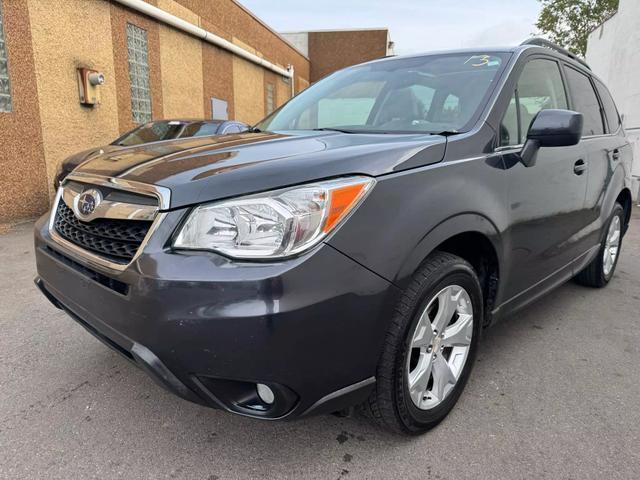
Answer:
(341, 130)
(446, 133)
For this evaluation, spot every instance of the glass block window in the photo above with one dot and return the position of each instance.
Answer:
(5, 85)
(138, 51)
(270, 98)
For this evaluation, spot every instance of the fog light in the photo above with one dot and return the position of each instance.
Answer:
(265, 393)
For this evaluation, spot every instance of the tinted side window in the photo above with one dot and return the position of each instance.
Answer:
(200, 129)
(232, 129)
(509, 129)
(585, 101)
(540, 87)
(613, 118)
(151, 132)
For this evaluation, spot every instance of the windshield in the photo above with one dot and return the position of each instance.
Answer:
(166, 130)
(431, 94)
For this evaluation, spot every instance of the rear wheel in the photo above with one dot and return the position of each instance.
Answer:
(430, 347)
(601, 269)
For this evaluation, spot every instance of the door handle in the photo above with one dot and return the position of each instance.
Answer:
(579, 167)
(615, 155)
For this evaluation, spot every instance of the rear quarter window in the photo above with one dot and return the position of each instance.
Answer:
(610, 110)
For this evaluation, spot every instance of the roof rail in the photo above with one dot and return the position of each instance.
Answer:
(542, 42)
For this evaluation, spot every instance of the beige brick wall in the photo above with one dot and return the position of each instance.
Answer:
(248, 88)
(48, 39)
(76, 34)
(181, 64)
(23, 182)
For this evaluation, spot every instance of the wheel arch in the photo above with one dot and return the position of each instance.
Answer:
(624, 198)
(617, 190)
(472, 237)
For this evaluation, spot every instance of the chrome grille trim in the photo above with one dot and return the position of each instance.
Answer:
(163, 194)
(94, 260)
(109, 209)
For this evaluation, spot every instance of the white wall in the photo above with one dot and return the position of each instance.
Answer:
(300, 40)
(613, 52)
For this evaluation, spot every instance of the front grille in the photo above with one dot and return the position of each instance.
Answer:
(117, 240)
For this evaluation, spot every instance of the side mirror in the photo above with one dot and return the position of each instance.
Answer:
(551, 128)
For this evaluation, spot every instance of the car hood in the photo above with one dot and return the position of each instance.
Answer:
(76, 159)
(205, 169)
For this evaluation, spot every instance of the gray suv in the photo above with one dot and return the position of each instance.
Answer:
(350, 249)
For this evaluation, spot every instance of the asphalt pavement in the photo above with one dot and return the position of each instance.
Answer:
(555, 394)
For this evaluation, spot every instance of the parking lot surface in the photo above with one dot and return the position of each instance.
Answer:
(555, 394)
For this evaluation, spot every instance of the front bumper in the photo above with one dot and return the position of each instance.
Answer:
(208, 329)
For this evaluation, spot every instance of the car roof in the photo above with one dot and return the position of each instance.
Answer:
(517, 50)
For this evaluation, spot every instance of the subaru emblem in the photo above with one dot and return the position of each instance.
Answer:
(87, 203)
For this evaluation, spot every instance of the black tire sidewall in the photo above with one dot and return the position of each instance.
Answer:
(618, 211)
(414, 419)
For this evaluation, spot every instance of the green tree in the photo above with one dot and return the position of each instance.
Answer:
(569, 22)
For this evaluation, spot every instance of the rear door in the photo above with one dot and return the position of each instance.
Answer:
(546, 201)
(601, 144)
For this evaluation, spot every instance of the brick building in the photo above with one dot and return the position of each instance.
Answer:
(355, 46)
(160, 59)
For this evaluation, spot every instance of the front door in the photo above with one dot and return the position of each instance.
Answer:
(546, 201)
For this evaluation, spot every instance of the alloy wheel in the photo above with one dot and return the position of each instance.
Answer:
(439, 347)
(611, 246)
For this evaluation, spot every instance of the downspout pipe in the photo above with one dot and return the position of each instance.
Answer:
(187, 27)
(292, 79)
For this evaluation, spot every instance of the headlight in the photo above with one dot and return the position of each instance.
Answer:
(274, 224)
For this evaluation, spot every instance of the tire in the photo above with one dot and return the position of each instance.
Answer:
(392, 404)
(598, 274)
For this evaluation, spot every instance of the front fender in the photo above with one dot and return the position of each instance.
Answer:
(449, 228)
(407, 215)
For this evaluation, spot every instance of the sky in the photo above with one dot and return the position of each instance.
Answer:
(415, 25)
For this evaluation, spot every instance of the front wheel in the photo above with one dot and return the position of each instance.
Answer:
(601, 269)
(430, 347)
